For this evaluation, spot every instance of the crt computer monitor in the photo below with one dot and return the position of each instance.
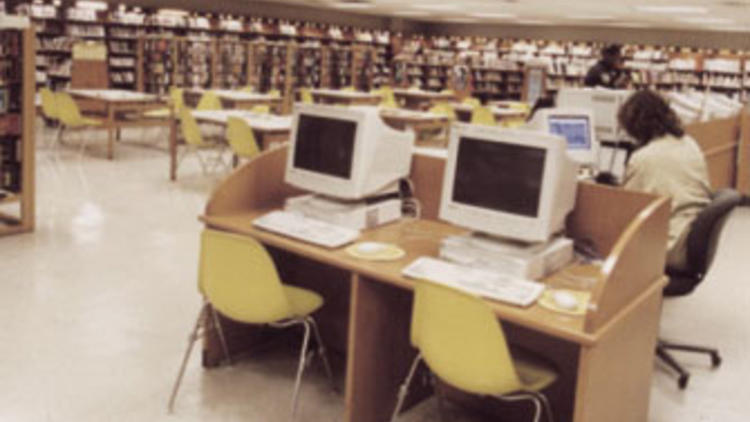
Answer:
(513, 184)
(576, 125)
(604, 104)
(345, 152)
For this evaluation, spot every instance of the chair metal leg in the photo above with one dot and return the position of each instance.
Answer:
(404, 389)
(322, 351)
(300, 367)
(684, 376)
(547, 407)
(191, 341)
(714, 353)
(220, 331)
(525, 396)
(439, 396)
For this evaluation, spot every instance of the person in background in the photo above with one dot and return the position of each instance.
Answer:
(608, 71)
(666, 162)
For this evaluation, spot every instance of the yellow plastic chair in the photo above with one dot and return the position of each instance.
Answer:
(70, 117)
(274, 93)
(49, 109)
(444, 109)
(306, 96)
(177, 103)
(388, 98)
(209, 101)
(348, 89)
(238, 279)
(482, 116)
(241, 139)
(194, 143)
(461, 341)
(474, 102)
(448, 91)
(247, 88)
(261, 109)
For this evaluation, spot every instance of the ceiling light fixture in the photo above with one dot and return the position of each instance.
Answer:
(591, 17)
(353, 5)
(708, 20)
(438, 7)
(493, 15)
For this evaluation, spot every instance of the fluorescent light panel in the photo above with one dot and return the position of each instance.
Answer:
(94, 5)
(493, 15)
(673, 10)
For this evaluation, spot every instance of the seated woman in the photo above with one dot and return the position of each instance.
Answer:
(666, 162)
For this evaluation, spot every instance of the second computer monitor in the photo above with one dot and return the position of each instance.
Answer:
(576, 126)
(512, 184)
(603, 103)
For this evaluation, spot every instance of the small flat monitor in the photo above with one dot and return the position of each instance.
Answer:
(603, 103)
(576, 126)
(345, 152)
(513, 184)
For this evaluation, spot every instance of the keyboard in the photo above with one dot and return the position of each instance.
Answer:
(306, 229)
(488, 284)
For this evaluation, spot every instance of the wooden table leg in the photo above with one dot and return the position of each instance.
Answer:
(172, 147)
(110, 132)
(379, 352)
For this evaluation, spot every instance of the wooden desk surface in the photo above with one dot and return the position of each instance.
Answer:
(417, 238)
(497, 111)
(412, 116)
(431, 95)
(337, 93)
(113, 95)
(259, 122)
(233, 95)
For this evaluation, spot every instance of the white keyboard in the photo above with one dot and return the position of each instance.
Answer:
(489, 284)
(307, 229)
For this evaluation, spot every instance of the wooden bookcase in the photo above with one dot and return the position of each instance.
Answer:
(17, 108)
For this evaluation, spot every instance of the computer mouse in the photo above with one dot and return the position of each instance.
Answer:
(565, 300)
(370, 248)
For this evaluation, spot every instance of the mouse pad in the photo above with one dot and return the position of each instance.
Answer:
(390, 252)
(548, 301)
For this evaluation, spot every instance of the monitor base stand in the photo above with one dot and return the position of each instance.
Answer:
(366, 213)
(525, 260)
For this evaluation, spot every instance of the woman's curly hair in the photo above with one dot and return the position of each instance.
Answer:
(646, 116)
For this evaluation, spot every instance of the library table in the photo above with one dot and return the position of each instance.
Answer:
(267, 128)
(463, 112)
(121, 109)
(604, 358)
(233, 99)
(417, 99)
(337, 96)
(421, 122)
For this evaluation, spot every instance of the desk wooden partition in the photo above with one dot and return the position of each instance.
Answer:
(604, 358)
(726, 146)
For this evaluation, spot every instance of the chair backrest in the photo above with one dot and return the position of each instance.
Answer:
(274, 93)
(261, 109)
(178, 99)
(247, 88)
(444, 109)
(49, 107)
(348, 89)
(209, 101)
(306, 96)
(241, 138)
(474, 102)
(704, 232)
(67, 109)
(461, 340)
(191, 132)
(448, 91)
(482, 116)
(239, 279)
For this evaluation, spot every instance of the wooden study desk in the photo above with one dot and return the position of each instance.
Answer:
(417, 99)
(463, 112)
(337, 96)
(267, 129)
(421, 122)
(231, 99)
(604, 358)
(121, 109)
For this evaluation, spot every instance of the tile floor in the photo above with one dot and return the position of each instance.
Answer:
(97, 303)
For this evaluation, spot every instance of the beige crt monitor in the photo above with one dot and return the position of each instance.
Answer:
(604, 103)
(513, 184)
(576, 125)
(347, 153)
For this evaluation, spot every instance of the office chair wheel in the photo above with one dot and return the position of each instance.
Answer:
(682, 382)
(715, 360)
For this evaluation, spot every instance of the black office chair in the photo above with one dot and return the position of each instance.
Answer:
(701, 248)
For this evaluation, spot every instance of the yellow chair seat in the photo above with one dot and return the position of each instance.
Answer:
(534, 373)
(302, 301)
(87, 121)
(158, 114)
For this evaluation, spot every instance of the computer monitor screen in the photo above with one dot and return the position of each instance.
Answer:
(325, 145)
(498, 176)
(575, 129)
